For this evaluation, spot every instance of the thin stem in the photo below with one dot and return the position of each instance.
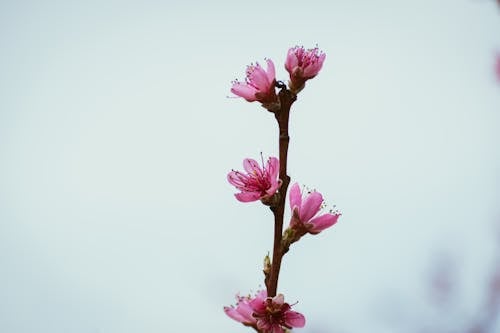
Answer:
(282, 116)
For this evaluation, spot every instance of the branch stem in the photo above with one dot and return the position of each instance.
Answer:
(282, 116)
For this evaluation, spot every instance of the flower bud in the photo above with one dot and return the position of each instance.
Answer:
(267, 265)
(303, 65)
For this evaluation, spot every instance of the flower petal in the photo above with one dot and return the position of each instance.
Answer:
(320, 223)
(258, 305)
(291, 60)
(274, 187)
(279, 299)
(277, 329)
(271, 72)
(236, 179)
(273, 167)
(295, 196)
(246, 311)
(232, 313)
(264, 325)
(294, 319)
(245, 91)
(311, 71)
(310, 206)
(252, 167)
(316, 64)
(247, 196)
(258, 78)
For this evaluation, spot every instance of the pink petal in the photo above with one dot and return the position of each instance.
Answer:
(231, 312)
(245, 91)
(322, 222)
(246, 311)
(263, 325)
(310, 206)
(271, 72)
(247, 196)
(313, 69)
(235, 178)
(274, 187)
(295, 196)
(321, 59)
(278, 329)
(294, 319)
(252, 167)
(310, 72)
(258, 78)
(258, 305)
(291, 60)
(273, 167)
(279, 299)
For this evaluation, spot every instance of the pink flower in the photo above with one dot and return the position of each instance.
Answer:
(303, 65)
(259, 85)
(306, 216)
(257, 183)
(267, 314)
(273, 315)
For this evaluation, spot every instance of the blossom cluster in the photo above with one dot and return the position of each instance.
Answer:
(262, 183)
(259, 84)
(267, 311)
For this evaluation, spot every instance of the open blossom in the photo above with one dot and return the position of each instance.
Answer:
(267, 314)
(257, 183)
(274, 315)
(303, 65)
(306, 212)
(259, 85)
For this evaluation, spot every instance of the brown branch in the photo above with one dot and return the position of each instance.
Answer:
(282, 116)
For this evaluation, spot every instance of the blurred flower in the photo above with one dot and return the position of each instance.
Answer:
(497, 67)
(306, 216)
(303, 65)
(443, 279)
(257, 183)
(259, 85)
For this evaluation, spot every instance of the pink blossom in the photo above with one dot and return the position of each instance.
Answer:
(273, 315)
(303, 65)
(259, 84)
(267, 314)
(257, 183)
(306, 216)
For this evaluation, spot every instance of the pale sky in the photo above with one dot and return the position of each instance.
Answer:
(116, 135)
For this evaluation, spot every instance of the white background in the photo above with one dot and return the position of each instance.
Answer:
(116, 135)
